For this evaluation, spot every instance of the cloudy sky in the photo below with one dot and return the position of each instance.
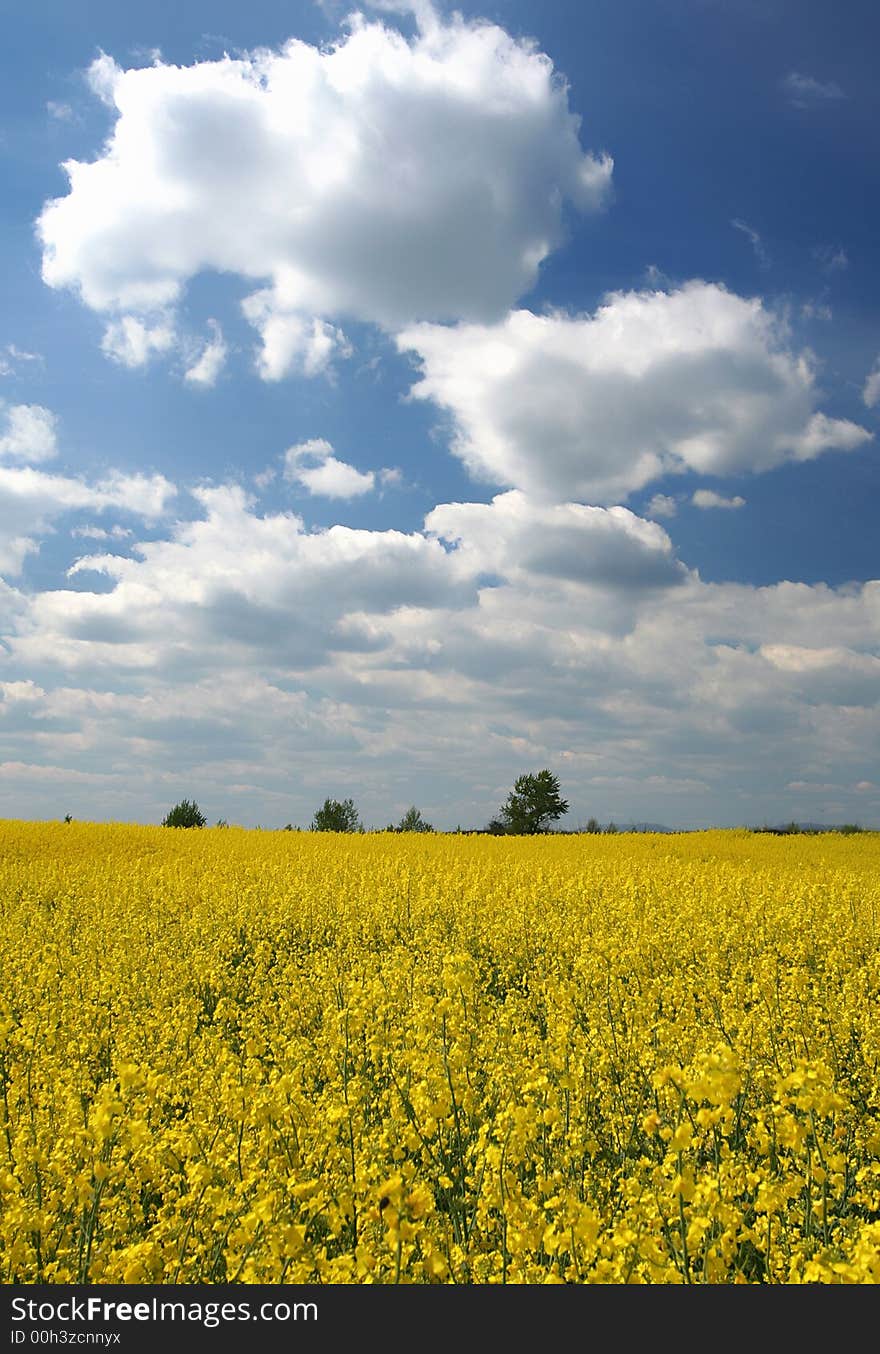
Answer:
(395, 401)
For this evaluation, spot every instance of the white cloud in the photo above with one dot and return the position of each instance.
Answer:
(435, 666)
(210, 361)
(315, 450)
(662, 505)
(336, 479)
(291, 343)
(871, 389)
(30, 500)
(707, 498)
(313, 465)
(132, 343)
(594, 407)
(11, 357)
(825, 434)
(382, 178)
(103, 77)
(805, 91)
(94, 533)
(568, 542)
(30, 433)
(238, 583)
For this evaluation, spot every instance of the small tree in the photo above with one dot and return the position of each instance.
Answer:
(336, 815)
(185, 814)
(412, 821)
(533, 804)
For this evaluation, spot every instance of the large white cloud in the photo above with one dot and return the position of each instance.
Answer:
(233, 585)
(593, 407)
(568, 542)
(262, 588)
(31, 499)
(382, 178)
(432, 667)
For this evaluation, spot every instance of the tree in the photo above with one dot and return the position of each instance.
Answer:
(337, 815)
(533, 804)
(185, 814)
(412, 821)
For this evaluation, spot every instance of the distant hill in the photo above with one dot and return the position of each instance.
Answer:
(621, 827)
(782, 829)
(649, 827)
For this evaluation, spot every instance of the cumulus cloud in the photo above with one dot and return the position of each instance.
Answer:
(132, 342)
(313, 465)
(246, 585)
(210, 361)
(30, 500)
(291, 343)
(383, 178)
(336, 479)
(30, 432)
(594, 407)
(235, 581)
(662, 505)
(439, 664)
(707, 498)
(511, 536)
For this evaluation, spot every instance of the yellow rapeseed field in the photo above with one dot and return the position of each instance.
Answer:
(282, 1057)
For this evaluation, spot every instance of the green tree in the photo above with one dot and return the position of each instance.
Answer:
(412, 821)
(185, 814)
(337, 815)
(533, 804)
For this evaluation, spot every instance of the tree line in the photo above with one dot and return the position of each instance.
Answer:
(533, 805)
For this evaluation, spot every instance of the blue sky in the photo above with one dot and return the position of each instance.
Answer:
(394, 403)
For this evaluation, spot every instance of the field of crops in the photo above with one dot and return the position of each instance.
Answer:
(284, 1057)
